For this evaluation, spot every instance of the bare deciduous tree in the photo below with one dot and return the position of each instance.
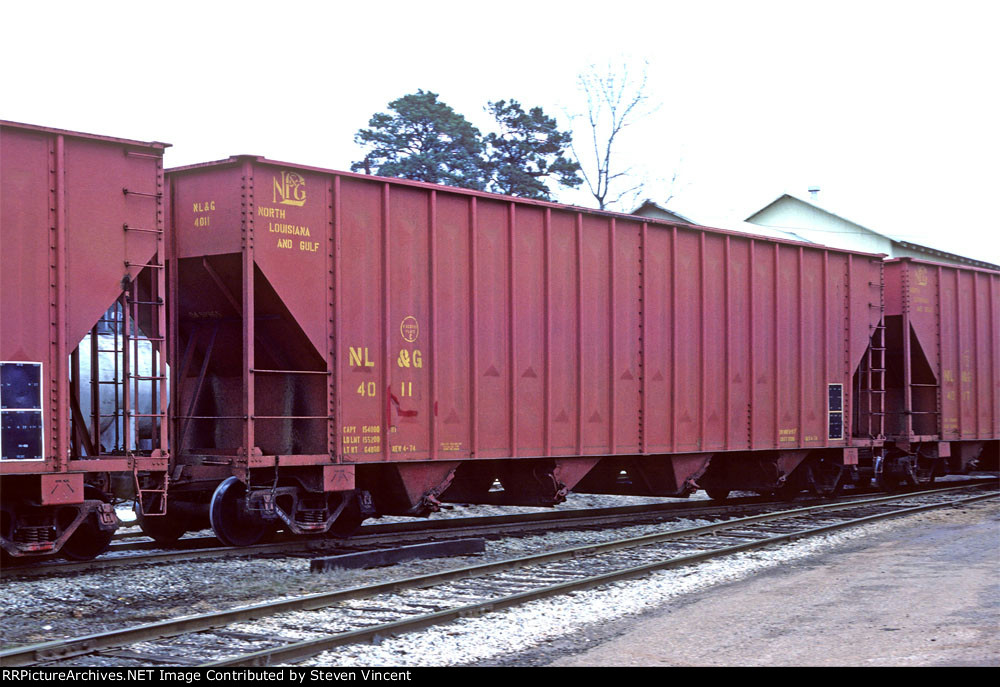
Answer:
(616, 98)
(670, 187)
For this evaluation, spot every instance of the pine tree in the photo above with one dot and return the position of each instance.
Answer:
(527, 151)
(425, 140)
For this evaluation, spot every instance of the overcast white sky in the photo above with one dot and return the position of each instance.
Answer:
(890, 107)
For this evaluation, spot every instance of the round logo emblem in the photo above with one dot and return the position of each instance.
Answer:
(409, 328)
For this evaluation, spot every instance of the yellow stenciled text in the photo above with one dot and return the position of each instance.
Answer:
(359, 357)
(271, 213)
(201, 219)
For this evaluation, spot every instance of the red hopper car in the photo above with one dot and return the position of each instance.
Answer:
(943, 369)
(83, 393)
(351, 345)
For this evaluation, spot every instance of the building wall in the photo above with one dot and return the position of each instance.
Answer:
(657, 213)
(821, 227)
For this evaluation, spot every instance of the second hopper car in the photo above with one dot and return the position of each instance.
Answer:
(942, 370)
(350, 345)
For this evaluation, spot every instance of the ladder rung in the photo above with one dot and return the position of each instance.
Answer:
(148, 156)
(131, 414)
(291, 372)
(291, 417)
(210, 417)
(146, 379)
(141, 193)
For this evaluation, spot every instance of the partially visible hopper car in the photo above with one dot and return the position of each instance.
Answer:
(83, 369)
(349, 345)
(942, 370)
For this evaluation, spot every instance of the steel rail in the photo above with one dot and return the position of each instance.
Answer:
(60, 649)
(684, 508)
(200, 548)
(309, 648)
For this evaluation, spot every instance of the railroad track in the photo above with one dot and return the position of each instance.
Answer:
(125, 553)
(281, 632)
(129, 554)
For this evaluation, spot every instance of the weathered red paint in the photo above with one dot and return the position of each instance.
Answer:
(81, 229)
(947, 384)
(453, 325)
(61, 488)
(67, 191)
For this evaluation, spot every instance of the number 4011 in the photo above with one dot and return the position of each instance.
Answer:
(368, 389)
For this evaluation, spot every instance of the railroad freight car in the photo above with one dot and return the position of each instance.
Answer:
(83, 376)
(942, 371)
(349, 345)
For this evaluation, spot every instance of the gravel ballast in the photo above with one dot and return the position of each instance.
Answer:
(519, 636)
(41, 609)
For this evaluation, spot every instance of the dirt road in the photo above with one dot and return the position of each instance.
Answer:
(926, 593)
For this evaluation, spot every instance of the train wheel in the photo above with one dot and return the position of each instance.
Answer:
(718, 494)
(89, 540)
(922, 472)
(163, 529)
(789, 491)
(889, 482)
(232, 523)
(349, 520)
